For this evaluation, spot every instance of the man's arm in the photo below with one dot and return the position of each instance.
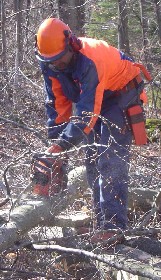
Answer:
(58, 107)
(87, 108)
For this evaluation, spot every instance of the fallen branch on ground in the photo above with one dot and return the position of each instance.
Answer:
(119, 262)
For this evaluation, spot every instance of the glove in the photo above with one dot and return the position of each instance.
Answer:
(54, 149)
(48, 173)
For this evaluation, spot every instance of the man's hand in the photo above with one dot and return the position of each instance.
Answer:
(54, 149)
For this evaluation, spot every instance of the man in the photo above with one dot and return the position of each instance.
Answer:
(103, 83)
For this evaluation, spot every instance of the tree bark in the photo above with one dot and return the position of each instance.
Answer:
(4, 48)
(123, 37)
(73, 13)
(25, 217)
(144, 21)
(157, 4)
(46, 211)
(28, 6)
(38, 210)
(34, 211)
(18, 5)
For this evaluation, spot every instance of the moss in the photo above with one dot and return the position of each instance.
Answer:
(153, 127)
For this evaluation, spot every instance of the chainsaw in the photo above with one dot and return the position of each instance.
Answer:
(48, 175)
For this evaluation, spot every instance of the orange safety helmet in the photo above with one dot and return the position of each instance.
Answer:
(52, 40)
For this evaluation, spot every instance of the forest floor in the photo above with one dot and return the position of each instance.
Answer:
(17, 147)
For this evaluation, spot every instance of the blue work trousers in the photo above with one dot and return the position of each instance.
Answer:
(107, 161)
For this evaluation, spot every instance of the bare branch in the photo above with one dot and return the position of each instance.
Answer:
(36, 132)
(111, 260)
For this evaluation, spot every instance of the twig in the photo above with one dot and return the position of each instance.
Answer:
(26, 273)
(36, 132)
(8, 197)
(30, 79)
(5, 201)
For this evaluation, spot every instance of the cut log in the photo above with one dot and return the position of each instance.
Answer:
(73, 220)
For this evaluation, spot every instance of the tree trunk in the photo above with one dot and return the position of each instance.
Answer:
(158, 16)
(45, 211)
(3, 53)
(18, 6)
(25, 217)
(144, 21)
(28, 6)
(123, 37)
(73, 13)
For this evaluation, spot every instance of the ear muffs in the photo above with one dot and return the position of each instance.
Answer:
(74, 42)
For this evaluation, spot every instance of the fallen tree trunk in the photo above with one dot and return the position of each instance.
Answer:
(34, 212)
(137, 197)
(24, 218)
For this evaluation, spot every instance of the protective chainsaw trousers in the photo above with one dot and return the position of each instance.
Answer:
(107, 162)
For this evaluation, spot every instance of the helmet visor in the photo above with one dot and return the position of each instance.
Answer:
(52, 58)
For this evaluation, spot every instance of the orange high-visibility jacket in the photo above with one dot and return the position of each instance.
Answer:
(98, 69)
